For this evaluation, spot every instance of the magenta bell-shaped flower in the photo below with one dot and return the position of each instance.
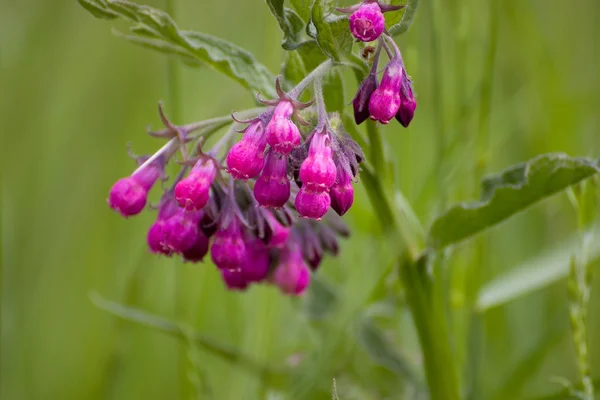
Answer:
(229, 250)
(272, 188)
(312, 205)
(193, 192)
(367, 23)
(407, 108)
(255, 267)
(198, 250)
(279, 234)
(128, 195)
(292, 276)
(385, 101)
(282, 133)
(246, 158)
(342, 192)
(168, 208)
(318, 171)
(180, 232)
(234, 279)
(362, 97)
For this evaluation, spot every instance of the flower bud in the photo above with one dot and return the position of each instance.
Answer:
(318, 171)
(367, 23)
(193, 192)
(128, 195)
(342, 192)
(407, 108)
(181, 231)
(168, 208)
(257, 262)
(362, 97)
(246, 158)
(292, 276)
(234, 279)
(272, 188)
(385, 101)
(282, 134)
(313, 205)
(229, 250)
(198, 250)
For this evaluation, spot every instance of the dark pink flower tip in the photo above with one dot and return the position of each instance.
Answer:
(385, 100)
(342, 192)
(246, 158)
(234, 279)
(362, 97)
(313, 205)
(180, 232)
(128, 196)
(272, 188)
(198, 250)
(367, 23)
(256, 265)
(229, 250)
(292, 276)
(193, 192)
(318, 171)
(279, 234)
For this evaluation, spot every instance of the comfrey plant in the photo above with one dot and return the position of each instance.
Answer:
(267, 206)
(269, 210)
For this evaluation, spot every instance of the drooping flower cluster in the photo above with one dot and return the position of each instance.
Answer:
(367, 22)
(392, 98)
(245, 217)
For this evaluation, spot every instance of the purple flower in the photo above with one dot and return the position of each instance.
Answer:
(154, 238)
(407, 108)
(246, 158)
(318, 171)
(272, 188)
(362, 97)
(342, 192)
(313, 205)
(198, 250)
(234, 279)
(193, 192)
(278, 234)
(367, 23)
(181, 231)
(229, 250)
(282, 134)
(255, 267)
(292, 276)
(385, 101)
(128, 195)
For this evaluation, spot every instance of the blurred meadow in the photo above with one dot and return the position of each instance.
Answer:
(498, 82)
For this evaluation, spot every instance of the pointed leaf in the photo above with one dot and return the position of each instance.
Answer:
(321, 30)
(291, 24)
(333, 91)
(157, 30)
(509, 193)
(407, 18)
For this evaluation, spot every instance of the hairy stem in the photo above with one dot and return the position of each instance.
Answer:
(317, 73)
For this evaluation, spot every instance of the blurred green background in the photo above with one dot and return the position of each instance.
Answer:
(73, 95)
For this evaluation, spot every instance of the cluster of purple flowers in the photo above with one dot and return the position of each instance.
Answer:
(270, 209)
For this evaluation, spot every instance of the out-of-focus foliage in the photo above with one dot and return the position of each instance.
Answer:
(498, 82)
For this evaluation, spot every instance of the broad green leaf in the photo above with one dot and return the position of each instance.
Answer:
(538, 273)
(155, 29)
(509, 193)
(394, 17)
(382, 352)
(311, 54)
(293, 69)
(407, 18)
(302, 7)
(321, 30)
(333, 91)
(290, 23)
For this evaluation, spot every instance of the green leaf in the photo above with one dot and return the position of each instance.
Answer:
(394, 17)
(311, 54)
(509, 193)
(321, 30)
(542, 271)
(293, 69)
(333, 91)
(407, 18)
(155, 29)
(302, 7)
(290, 23)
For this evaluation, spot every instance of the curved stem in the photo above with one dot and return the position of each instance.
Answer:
(315, 74)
